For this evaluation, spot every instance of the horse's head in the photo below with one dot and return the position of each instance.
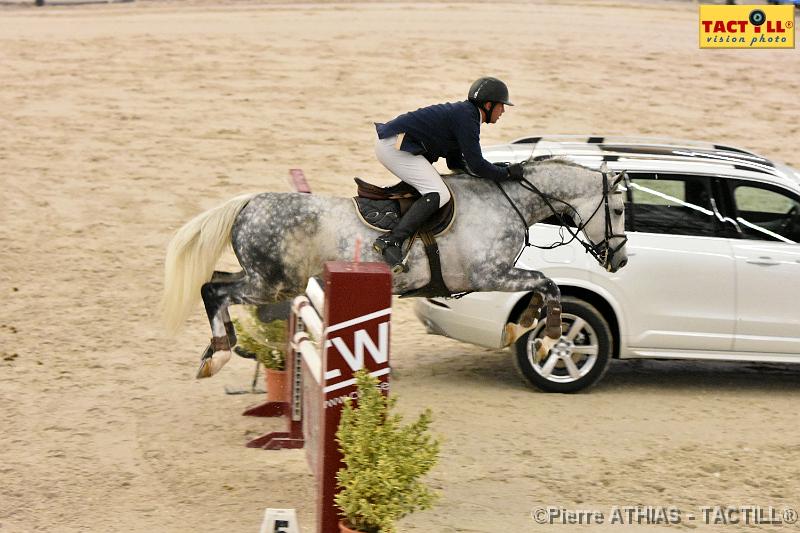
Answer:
(603, 223)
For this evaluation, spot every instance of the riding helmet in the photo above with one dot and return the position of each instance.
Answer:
(489, 89)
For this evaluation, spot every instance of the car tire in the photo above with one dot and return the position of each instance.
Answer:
(593, 344)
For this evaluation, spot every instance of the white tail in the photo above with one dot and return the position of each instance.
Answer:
(192, 255)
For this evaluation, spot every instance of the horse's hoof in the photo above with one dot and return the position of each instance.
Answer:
(543, 346)
(514, 332)
(211, 365)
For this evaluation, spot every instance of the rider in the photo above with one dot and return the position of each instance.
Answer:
(408, 145)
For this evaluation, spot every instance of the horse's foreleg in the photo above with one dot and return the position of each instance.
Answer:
(551, 296)
(546, 292)
(552, 330)
(530, 316)
(552, 325)
(527, 320)
(218, 295)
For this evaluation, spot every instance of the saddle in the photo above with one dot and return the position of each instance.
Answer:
(380, 208)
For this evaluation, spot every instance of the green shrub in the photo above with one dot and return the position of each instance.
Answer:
(267, 341)
(384, 461)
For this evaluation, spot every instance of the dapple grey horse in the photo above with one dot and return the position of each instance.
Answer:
(281, 240)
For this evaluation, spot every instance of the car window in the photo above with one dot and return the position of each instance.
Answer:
(766, 213)
(673, 204)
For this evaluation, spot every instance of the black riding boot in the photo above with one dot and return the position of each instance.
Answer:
(391, 244)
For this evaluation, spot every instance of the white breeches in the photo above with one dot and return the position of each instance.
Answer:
(412, 169)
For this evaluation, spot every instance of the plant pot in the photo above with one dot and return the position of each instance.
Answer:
(277, 385)
(343, 528)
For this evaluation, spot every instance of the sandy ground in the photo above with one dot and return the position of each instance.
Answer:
(119, 123)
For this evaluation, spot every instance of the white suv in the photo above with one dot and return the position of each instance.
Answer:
(714, 270)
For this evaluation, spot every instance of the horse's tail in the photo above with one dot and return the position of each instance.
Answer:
(191, 257)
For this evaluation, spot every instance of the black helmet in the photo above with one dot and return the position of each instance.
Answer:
(488, 90)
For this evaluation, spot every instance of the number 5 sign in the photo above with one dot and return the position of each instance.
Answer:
(280, 521)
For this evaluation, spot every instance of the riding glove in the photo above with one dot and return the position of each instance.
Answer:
(515, 172)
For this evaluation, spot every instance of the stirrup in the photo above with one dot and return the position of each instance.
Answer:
(400, 267)
(395, 259)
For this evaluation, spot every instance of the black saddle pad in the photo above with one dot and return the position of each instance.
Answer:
(382, 214)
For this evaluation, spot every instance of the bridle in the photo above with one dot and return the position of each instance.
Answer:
(603, 252)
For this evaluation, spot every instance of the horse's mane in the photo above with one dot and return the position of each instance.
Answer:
(559, 160)
(535, 163)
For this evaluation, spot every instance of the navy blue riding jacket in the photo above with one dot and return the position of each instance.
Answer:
(444, 130)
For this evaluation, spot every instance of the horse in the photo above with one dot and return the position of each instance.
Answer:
(282, 239)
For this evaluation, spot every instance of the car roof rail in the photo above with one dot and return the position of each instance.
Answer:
(617, 147)
(634, 141)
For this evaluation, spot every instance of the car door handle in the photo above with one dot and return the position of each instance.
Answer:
(765, 261)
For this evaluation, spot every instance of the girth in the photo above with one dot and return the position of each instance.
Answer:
(436, 286)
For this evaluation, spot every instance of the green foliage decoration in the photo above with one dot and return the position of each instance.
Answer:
(267, 341)
(384, 461)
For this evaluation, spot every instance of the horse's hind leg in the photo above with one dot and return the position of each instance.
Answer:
(227, 277)
(221, 292)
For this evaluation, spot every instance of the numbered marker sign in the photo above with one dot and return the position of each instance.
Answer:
(280, 521)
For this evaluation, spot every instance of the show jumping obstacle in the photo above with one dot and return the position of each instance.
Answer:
(333, 332)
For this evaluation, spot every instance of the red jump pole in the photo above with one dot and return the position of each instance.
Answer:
(298, 180)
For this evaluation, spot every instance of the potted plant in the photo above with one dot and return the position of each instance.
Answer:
(384, 461)
(265, 342)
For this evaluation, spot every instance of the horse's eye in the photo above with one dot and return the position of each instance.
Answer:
(619, 212)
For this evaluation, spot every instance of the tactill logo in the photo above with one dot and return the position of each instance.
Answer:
(746, 26)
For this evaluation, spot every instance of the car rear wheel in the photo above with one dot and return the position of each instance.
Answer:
(580, 357)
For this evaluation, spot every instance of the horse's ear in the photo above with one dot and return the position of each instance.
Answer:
(622, 177)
